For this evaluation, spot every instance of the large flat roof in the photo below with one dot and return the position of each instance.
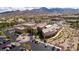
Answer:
(50, 28)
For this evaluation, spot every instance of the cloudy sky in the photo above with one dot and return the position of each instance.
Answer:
(40, 3)
(30, 4)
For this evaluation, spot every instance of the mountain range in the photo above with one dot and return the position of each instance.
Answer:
(56, 10)
(38, 10)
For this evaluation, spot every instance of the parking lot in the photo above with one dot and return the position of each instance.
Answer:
(35, 46)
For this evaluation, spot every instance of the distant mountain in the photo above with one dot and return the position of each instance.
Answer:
(5, 9)
(41, 10)
(56, 10)
(38, 10)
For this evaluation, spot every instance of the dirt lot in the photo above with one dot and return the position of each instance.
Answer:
(67, 39)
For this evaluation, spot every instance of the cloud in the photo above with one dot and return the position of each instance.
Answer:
(40, 3)
(4, 9)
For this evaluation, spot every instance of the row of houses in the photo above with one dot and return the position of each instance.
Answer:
(44, 29)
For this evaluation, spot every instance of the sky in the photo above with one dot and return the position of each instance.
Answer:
(30, 4)
(40, 3)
